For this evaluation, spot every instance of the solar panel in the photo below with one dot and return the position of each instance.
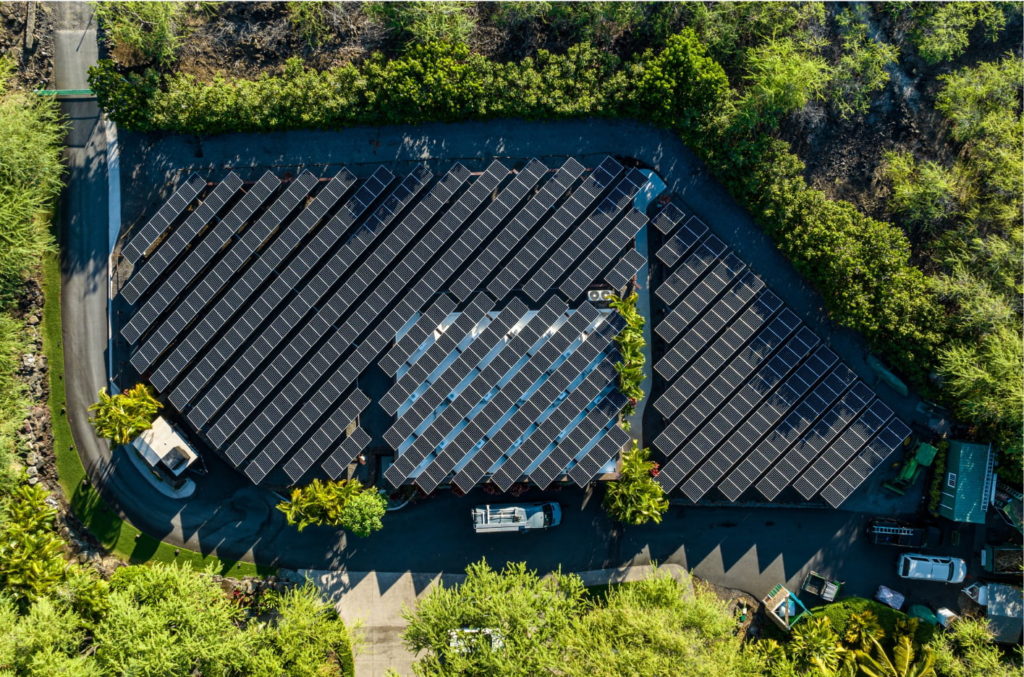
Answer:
(180, 238)
(690, 270)
(609, 445)
(842, 449)
(668, 218)
(769, 409)
(168, 213)
(236, 298)
(199, 257)
(827, 428)
(342, 298)
(738, 402)
(509, 238)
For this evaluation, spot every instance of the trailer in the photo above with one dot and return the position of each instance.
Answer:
(816, 584)
(1004, 560)
(899, 534)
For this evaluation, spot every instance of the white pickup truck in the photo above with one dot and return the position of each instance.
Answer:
(489, 519)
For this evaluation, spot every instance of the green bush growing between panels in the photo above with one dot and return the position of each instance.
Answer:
(636, 498)
(631, 347)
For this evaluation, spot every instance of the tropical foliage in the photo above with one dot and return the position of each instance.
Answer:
(861, 638)
(636, 498)
(631, 347)
(345, 503)
(512, 622)
(31, 131)
(967, 650)
(31, 553)
(168, 620)
(120, 418)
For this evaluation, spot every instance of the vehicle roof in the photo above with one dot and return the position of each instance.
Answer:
(930, 566)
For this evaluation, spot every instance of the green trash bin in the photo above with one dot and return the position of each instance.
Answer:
(924, 613)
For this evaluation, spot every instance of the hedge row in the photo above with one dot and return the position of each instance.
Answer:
(860, 265)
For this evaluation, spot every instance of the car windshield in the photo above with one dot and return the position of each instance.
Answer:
(906, 567)
(949, 576)
(547, 515)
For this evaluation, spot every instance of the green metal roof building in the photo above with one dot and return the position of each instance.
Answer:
(969, 483)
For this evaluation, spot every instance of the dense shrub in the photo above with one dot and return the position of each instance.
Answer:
(344, 503)
(168, 620)
(636, 498)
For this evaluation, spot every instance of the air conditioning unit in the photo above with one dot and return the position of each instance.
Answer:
(599, 295)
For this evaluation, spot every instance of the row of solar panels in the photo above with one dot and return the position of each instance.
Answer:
(750, 397)
(522, 395)
(245, 307)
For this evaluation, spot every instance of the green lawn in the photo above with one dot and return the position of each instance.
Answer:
(115, 534)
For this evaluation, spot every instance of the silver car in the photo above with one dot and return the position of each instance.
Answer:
(938, 568)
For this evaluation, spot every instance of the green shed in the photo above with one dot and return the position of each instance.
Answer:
(969, 483)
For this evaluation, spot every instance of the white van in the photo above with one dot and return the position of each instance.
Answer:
(932, 568)
(516, 517)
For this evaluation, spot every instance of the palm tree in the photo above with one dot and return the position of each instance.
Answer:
(902, 664)
(122, 417)
(815, 646)
(861, 628)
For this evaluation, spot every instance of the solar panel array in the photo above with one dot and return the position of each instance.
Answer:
(750, 399)
(259, 307)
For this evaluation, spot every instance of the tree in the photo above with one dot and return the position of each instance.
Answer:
(942, 31)
(306, 639)
(815, 647)
(985, 378)
(781, 77)
(878, 663)
(344, 503)
(967, 650)
(862, 68)
(142, 32)
(924, 193)
(502, 623)
(31, 134)
(680, 87)
(659, 626)
(636, 498)
(122, 417)
(861, 629)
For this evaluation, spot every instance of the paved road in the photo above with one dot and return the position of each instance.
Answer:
(751, 548)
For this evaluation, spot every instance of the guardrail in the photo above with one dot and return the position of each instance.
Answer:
(63, 92)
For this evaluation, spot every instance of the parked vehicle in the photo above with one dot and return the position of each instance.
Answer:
(900, 534)
(516, 517)
(1003, 559)
(939, 568)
